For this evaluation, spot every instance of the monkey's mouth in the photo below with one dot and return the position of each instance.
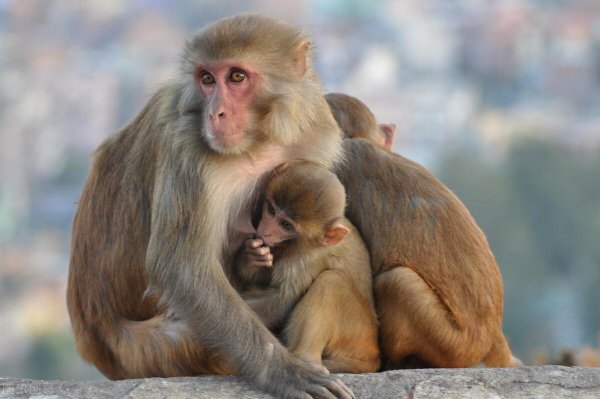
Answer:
(228, 140)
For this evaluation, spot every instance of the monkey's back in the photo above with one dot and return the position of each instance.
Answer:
(409, 218)
(110, 236)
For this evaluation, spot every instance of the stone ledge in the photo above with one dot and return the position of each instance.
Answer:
(525, 382)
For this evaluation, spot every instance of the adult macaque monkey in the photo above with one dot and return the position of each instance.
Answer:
(357, 121)
(438, 290)
(319, 267)
(170, 192)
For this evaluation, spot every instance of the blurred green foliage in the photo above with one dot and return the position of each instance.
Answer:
(540, 209)
(53, 356)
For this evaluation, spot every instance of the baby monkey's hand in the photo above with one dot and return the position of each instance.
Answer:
(257, 254)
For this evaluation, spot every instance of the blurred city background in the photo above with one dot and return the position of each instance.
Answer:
(500, 99)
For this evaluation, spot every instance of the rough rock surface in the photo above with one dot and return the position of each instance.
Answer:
(526, 382)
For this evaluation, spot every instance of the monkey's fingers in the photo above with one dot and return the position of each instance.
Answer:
(258, 264)
(344, 387)
(265, 258)
(333, 384)
(321, 392)
(331, 390)
(313, 379)
(260, 251)
(337, 390)
(252, 244)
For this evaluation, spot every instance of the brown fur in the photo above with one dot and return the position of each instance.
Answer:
(438, 289)
(357, 121)
(147, 291)
(328, 286)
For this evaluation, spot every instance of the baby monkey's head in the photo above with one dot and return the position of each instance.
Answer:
(304, 204)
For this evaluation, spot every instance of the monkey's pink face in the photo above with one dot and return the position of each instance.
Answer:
(228, 89)
(274, 226)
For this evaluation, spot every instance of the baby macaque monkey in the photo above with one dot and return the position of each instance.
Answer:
(357, 121)
(307, 256)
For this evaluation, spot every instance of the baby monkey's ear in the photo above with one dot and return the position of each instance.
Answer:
(334, 234)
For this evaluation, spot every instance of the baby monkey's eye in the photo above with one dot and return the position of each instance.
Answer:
(270, 208)
(287, 225)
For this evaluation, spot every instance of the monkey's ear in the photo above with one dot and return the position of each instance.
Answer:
(334, 234)
(389, 131)
(302, 57)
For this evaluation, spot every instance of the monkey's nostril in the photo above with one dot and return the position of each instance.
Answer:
(221, 114)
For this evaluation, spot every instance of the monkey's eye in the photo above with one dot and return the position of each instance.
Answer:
(270, 208)
(287, 225)
(206, 78)
(237, 75)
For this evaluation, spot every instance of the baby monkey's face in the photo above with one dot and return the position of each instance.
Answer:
(275, 225)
